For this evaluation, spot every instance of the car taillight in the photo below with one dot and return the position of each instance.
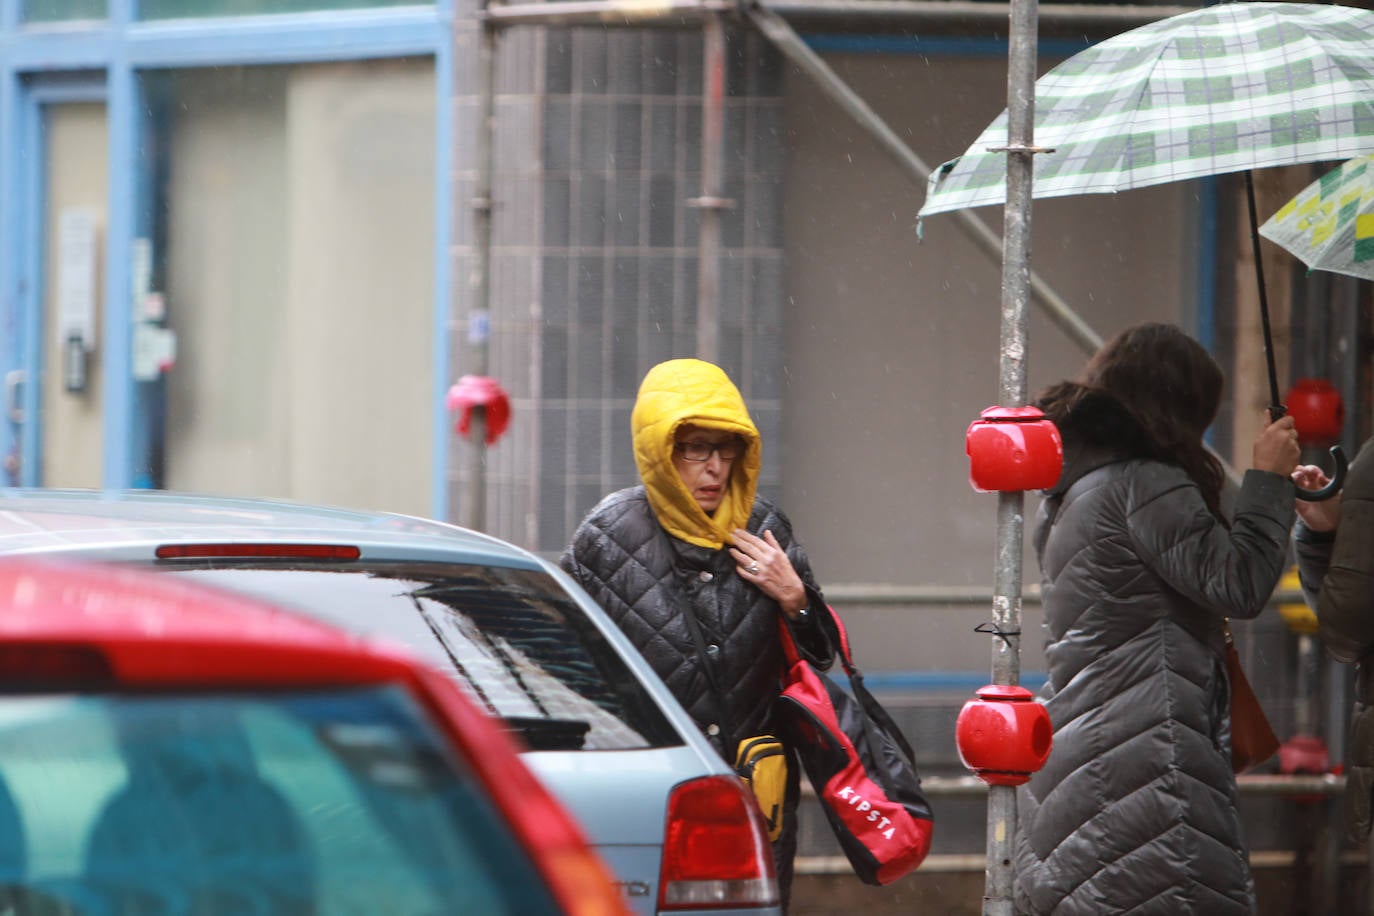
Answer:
(715, 848)
(280, 551)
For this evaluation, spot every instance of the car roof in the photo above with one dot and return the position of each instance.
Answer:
(38, 520)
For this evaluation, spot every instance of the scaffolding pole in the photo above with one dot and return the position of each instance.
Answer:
(1111, 18)
(1006, 597)
(710, 204)
(474, 509)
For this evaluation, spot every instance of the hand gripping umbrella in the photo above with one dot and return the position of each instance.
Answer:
(1276, 407)
(1225, 88)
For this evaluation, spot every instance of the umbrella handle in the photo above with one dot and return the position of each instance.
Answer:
(1337, 480)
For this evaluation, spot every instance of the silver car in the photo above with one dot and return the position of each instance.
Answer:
(662, 808)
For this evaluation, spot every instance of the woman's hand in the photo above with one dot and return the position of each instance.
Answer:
(1276, 447)
(763, 563)
(1322, 516)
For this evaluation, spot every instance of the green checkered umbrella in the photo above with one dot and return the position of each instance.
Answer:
(1330, 224)
(1220, 89)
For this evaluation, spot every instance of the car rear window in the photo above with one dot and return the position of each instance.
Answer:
(334, 802)
(513, 638)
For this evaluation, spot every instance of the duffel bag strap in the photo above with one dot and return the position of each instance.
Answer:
(870, 703)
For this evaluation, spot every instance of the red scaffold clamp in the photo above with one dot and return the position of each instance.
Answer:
(1003, 735)
(480, 391)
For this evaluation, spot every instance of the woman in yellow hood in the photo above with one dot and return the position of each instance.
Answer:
(697, 569)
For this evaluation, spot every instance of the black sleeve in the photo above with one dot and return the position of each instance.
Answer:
(1313, 552)
(812, 636)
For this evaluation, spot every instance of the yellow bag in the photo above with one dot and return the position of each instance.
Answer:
(761, 762)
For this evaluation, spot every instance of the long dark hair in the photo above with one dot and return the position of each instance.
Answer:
(1171, 387)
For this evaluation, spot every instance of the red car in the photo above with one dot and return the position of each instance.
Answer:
(170, 749)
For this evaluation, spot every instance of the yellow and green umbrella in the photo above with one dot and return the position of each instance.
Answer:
(1330, 224)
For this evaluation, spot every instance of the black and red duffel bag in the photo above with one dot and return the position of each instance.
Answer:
(858, 761)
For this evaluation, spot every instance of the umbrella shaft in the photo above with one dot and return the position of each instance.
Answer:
(1276, 408)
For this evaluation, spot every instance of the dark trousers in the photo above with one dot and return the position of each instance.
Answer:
(785, 846)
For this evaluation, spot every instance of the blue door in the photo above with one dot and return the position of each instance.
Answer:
(73, 413)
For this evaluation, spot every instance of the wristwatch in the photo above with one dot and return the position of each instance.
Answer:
(803, 615)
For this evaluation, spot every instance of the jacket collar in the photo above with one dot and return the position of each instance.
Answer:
(1098, 430)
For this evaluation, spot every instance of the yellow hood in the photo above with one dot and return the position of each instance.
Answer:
(691, 391)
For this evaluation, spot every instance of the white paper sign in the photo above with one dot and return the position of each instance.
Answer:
(154, 351)
(77, 277)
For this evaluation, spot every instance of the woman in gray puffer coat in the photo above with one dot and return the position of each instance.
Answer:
(1135, 810)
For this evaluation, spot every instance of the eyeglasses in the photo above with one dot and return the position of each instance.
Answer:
(728, 450)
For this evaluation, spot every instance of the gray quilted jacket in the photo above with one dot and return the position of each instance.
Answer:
(1345, 611)
(1135, 810)
(646, 580)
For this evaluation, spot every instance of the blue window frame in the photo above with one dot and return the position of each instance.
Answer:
(61, 10)
(182, 9)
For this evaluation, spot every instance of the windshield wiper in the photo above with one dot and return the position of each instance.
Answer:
(549, 734)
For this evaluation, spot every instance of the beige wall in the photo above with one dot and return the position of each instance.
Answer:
(300, 273)
(227, 418)
(361, 147)
(892, 342)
